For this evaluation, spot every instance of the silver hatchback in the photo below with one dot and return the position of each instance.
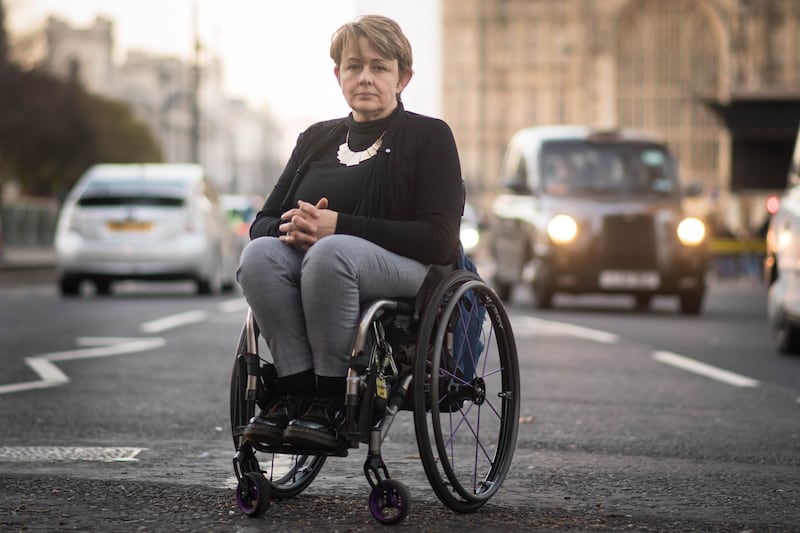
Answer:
(144, 222)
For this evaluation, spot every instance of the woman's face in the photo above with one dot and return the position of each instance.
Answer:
(370, 83)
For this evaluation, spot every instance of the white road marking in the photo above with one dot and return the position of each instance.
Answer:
(108, 347)
(233, 306)
(703, 369)
(173, 321)
(527, 326)
(30, 454)
(51, 376)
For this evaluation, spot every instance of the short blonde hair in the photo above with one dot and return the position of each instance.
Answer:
(382, 33)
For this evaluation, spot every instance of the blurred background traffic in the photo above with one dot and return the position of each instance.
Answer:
(718, 80)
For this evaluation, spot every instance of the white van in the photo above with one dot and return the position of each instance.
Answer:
(144, 222)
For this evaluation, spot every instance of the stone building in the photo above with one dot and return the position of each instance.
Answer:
(719, 79)
(231, 140)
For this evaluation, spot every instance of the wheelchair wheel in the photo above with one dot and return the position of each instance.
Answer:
(389, 502)
(253, 494)
(287, 474)
(466, 392)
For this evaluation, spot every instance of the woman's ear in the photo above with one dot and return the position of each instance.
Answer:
(404, 79)
(336, 73)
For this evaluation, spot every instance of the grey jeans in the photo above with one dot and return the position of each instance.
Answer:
(307, 303)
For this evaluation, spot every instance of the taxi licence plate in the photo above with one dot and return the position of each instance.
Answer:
(629, 279)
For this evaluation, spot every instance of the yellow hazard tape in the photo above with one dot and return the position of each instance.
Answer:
(738, 246)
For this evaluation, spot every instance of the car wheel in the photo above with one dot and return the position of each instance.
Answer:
(212, 284)
(502, 289)
(642, 301)
(690, 302)
(102, 286)
(70, 286)
(543, 296)
(787, 337)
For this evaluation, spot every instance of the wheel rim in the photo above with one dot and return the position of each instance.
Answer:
(246, 497)
(291, 474)
(388, 502)
(469, 435)
(253, 494)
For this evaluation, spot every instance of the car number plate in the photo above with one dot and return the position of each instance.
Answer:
(129, 225)
(628, 279)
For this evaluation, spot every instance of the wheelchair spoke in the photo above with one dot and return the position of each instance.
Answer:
(472, 361)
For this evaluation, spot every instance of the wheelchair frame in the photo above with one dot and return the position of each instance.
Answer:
(466, 439)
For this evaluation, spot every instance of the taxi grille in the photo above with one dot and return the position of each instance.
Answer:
(629, 242)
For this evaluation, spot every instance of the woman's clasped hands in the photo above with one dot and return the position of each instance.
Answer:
(307, 223)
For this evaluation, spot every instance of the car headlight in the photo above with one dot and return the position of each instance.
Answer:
(691, 231)
(469, 238)
(562, 229)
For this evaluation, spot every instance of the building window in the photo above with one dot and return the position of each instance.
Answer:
(668, 60)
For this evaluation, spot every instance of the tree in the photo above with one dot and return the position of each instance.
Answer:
(52, 130)
(119, 136)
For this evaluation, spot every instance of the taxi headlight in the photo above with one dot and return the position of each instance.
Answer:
(691, 231)
(562, 229)
(469, 238)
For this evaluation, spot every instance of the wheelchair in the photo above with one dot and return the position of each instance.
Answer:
(452, 361)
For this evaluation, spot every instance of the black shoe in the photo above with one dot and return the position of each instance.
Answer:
(318, 426)
(268, 426)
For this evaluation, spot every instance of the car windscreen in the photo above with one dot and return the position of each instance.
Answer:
(577, 166)
(141, 193)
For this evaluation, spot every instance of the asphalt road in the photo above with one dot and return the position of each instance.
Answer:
(614, 434)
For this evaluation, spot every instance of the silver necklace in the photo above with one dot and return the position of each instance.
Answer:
(350, 158)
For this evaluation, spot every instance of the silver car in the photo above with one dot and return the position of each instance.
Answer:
(782, 264)
(144, 222)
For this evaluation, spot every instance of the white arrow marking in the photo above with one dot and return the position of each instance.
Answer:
(50, 375)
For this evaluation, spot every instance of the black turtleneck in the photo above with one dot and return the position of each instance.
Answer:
(341, 184)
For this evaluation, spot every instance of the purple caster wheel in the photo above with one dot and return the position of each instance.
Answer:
(253, 494)
(389, 502)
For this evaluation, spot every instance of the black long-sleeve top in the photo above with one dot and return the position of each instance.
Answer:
(407, 199)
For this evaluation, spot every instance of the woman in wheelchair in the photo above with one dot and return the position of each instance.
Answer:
(365, 206)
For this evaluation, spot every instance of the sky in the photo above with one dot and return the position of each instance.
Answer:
(275, 53)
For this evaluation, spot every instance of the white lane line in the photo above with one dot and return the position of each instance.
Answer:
(526, 325)
(233, 306)
(173, 321)
(51, 376)
(692, 365)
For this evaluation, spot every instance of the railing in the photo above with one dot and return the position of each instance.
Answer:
(28, 221)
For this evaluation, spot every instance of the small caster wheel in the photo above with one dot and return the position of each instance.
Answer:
(389, 502)
(253, 494)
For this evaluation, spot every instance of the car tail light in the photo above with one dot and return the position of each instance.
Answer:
(773, 204)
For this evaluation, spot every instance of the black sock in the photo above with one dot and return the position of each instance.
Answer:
(333, 387)
(302, 383)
